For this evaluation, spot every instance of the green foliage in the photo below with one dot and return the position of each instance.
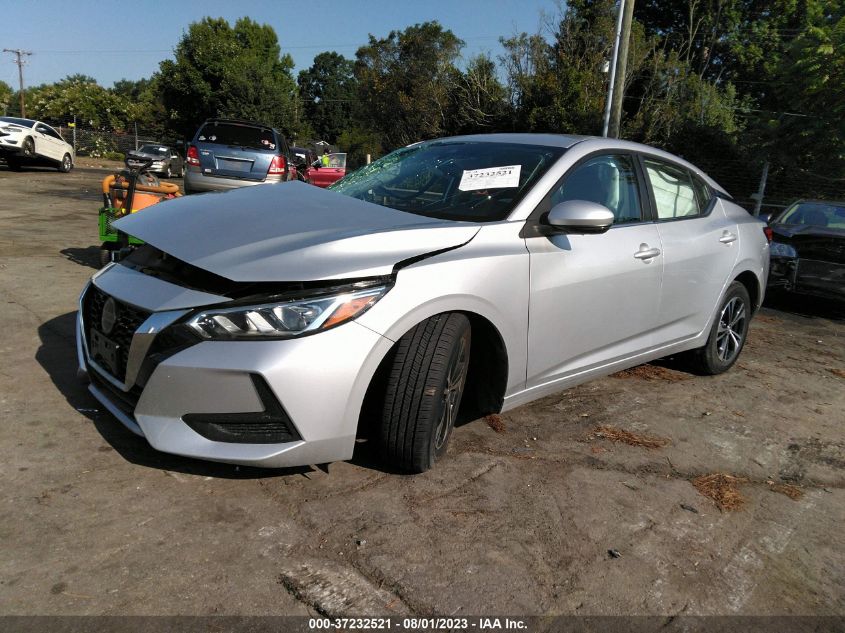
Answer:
(6, 94)
(81, 96)
(228, 71)
(327, 92)
(405, 82)
(357, 143)
(478, 100)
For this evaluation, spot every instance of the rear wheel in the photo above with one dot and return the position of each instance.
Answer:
(728, 334)
(66, 165)
(28, 148)
(424, 390)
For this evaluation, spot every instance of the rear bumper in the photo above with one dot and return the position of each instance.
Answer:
(196, 181)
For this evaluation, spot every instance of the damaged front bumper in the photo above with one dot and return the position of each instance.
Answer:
(274, 403)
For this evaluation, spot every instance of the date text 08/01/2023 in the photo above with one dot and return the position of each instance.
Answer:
(416, 624)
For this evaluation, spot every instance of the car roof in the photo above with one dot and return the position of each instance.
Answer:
(552, 140)
(17, 120)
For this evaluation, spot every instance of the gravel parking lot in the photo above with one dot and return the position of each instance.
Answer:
(540, 511)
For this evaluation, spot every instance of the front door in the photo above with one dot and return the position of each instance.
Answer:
(594, 298)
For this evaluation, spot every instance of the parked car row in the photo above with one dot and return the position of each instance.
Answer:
(224, 154)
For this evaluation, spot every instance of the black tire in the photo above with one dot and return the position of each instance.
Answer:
(66, 164)
(168, 173)
(424, 389)
(727, 336)
(105, 256)
(28, 148)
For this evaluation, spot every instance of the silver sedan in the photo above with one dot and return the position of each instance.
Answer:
(450, 279)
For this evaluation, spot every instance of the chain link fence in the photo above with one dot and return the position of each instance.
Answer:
(775, 187)
(104, 142)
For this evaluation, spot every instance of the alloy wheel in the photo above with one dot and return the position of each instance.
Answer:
(732, 326)
(455, 379)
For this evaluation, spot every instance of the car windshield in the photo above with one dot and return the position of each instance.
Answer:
(17, 121)
(246, 136)
(452, 180)
(823, 214)
(156, 150)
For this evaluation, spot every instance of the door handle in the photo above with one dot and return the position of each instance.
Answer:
(727, 237)
(646, 253)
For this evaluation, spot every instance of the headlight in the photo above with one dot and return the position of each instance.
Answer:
(284, 319)
(776, 249)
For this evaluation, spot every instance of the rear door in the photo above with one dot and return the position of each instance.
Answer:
(700, 247)
(236, 150)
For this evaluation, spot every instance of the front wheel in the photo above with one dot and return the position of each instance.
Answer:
(424, 390)
(728, 334)
(28, 148)
(66, 165)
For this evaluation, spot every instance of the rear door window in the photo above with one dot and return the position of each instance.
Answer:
(240, 136)
(674, 194)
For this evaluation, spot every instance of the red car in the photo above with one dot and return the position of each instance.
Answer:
(322, 176)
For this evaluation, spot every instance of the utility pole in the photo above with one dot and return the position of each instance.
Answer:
(622, 62)
(612, 83)
(19, 61)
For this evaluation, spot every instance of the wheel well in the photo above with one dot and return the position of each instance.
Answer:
(487, 378)
(752, 285)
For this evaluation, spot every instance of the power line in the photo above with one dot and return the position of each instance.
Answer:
(19, 61)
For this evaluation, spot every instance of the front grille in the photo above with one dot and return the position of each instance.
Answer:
(271, 426)
(128, 320)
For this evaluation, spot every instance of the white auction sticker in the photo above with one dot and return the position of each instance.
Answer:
(490, 178)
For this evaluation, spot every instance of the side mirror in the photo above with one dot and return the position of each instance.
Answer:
(580, 216)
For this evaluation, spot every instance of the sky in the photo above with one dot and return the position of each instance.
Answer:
(111, 41)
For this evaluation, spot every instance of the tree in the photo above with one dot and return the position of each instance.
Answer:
(405, 83)
(6, 94)
(479, 100)
(226, 71)
(81, 96)
(327, 92)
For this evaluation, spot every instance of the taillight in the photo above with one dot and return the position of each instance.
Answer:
(193, 157)
(277, 165)
(769, 234)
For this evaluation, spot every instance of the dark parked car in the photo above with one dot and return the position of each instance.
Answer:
(166, 161)
(808, 249)
(230, 153)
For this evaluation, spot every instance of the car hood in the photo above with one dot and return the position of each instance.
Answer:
(137, 154)
(813, 242)
(290, 232)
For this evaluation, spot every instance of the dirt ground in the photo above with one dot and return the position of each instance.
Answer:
(541, 511)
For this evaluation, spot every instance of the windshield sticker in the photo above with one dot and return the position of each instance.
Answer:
(490, 178)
